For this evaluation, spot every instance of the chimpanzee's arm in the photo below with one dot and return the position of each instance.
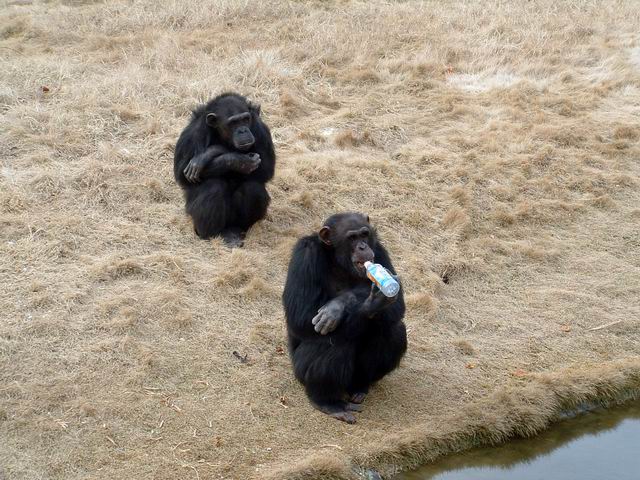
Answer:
(264, 148)
(304, 291)
(218, 160)
(358, 313)
(395, 311)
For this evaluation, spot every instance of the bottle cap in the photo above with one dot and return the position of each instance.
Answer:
(366, 264)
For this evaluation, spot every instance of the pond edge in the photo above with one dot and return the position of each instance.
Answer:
(522, 408)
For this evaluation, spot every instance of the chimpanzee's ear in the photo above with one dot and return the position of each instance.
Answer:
(212, 118)
(255, 108)
(325, 234)
(367, 217)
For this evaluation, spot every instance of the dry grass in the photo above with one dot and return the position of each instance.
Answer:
(495, 146)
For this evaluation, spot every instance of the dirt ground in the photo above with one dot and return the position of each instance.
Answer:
(495, 145)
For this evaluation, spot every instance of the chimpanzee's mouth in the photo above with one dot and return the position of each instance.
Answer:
(358, 259)
(244, 146)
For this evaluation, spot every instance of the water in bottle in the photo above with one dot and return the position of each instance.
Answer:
(382, 278)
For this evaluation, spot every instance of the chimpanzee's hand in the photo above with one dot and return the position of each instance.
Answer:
(376, 296)
(247, 163)
(194, 168)
(377, 300)
(329, 316)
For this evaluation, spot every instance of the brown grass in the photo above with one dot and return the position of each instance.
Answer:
(495, 147)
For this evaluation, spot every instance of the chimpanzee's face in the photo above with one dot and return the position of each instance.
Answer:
(359, 241)
(353, 241)
(232, 120)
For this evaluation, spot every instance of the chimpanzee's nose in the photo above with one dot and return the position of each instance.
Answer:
(362, 246)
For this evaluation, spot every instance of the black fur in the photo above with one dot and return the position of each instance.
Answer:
(224, 200)
(361, 350)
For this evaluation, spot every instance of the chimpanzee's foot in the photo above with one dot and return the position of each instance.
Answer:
(358, 397)
(337, 410)
(354, 407)
(347, 417)
(233, 237)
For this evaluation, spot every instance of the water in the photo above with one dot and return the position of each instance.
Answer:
(601, 445)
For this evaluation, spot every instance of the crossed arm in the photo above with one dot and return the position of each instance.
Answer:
(352, 306)
(218, 160)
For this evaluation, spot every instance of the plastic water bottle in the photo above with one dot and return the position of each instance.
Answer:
(382, 278)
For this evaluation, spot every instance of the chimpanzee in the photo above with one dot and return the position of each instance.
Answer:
(344, 334)
(222, 160)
